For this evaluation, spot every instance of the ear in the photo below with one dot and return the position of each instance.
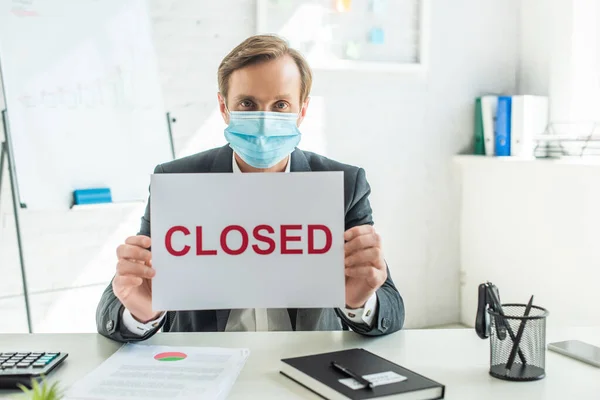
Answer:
(303, 110)
(223, 108)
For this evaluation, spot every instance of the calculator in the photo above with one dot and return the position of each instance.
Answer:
(22, 367)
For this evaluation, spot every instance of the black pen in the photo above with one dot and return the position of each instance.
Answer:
(501, 323)
(517, 340)
(352, 374)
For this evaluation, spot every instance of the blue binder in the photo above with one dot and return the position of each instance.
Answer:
(502, 126)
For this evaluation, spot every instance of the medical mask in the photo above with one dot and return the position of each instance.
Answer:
(262, 138)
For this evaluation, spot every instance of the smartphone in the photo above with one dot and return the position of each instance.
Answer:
(578, 350)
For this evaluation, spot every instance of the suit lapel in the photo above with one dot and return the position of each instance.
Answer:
(223, 159)
(299, 162)
(222, 318)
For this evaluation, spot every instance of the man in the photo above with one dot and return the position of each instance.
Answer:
(263, 96)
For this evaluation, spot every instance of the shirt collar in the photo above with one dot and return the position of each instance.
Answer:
(236, 167)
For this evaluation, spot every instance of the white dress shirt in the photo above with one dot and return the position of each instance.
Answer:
(258, 319)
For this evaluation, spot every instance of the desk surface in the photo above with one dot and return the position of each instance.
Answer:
(456, 358)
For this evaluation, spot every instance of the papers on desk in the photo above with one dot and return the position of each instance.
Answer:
(162, 372)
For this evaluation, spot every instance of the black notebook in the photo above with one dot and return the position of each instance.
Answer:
(391, 381)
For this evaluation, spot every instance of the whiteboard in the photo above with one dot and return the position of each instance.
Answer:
(83, 98)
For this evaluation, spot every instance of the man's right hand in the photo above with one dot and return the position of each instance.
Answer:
(132, 283)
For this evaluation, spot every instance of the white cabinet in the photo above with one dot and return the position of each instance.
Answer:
(531, 227)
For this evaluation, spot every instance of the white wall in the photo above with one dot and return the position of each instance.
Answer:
(191, 38)
(403, 130)
(536, 41)
(560, 57)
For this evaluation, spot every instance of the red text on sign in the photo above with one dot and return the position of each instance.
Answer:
(259, 240)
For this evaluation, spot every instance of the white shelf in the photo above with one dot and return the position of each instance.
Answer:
(112, 205)
(364, 66)
(487, 160)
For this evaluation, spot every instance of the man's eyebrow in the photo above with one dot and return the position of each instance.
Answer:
(285, 96)
(244, 97)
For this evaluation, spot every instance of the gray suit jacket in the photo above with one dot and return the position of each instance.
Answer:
(390, 314)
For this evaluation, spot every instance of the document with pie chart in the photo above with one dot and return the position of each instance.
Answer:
(138, 371)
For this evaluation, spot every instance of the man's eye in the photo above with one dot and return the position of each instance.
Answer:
(246, 103)
(282, 105)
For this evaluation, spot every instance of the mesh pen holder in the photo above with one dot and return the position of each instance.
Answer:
(529, 361)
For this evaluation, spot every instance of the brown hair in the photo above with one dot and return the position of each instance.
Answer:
(261, 48)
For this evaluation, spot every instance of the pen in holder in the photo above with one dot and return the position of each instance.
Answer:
(520, 354)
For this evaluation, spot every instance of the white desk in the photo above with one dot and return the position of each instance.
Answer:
(456, 358)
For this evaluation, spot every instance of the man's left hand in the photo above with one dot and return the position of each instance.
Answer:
(365, 268)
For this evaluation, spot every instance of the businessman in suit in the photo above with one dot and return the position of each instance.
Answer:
(263, 97)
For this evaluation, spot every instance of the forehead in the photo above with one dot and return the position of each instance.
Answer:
(266, 80)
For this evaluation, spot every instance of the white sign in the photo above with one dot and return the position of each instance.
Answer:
(254, 240)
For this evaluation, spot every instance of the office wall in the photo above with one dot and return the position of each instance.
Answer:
(402, 129)
(535, 45)
(560, 57)
(191, 37)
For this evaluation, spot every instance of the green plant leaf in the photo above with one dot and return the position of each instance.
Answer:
(42, 390)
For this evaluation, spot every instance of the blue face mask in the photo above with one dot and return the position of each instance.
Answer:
(262, 138)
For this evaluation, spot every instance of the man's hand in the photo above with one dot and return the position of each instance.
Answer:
(365, 267)
(132, 283)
